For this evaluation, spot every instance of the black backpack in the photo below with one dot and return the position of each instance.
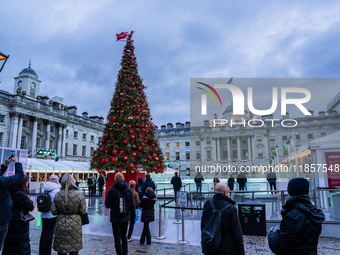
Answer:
(139, 190)
(89, 181)
(122, 204)
(44, 202)
(211, 233)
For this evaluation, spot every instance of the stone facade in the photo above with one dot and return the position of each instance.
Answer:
(31, 121)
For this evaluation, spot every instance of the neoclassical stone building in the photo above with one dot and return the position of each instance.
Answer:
(32, 121)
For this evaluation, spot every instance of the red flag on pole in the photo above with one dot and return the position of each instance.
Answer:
(122, 35)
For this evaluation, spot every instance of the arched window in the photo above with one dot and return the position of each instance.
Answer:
(32, 90)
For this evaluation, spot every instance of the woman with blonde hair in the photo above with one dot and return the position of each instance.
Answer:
(68, 204)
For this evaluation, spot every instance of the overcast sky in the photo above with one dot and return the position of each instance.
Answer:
(73, 48)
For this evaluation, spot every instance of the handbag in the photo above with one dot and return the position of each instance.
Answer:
(26, 217)
(85, 219)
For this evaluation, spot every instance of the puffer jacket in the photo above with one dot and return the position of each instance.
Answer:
(5, 198)
(299, 230)
(147, 205)
(68, 233)
(232, 240)
(148, 183)
(112, 202)
(17, 240)
(52, 189)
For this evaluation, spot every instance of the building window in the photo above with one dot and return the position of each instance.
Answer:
(187, 172)
(234, 153)
(297, 137)
(84, 137)
(208, 142)
(38, 126)
(244, 153)
(244, 141)
(167, 156)
(209, 154)
(259, 138)
(91, 151)
(260, 154)
(284, 138)
(198, 155)
(167, 145)
(83, 151)
(74, 150)
(198, 143)
(177, 155)
(310, 136)
(2, 118)
(75, 135)
(67, 133)
(234, 142)
(92, 138)
(66, 147)
(224, 154)
(1, 135)
(323, 134)
(52, 129)
(272, 138)
(99, 139)
(187, 155)
(24, 123)
(32, 90)
(23, 144)
(177, 144)
(187, 143)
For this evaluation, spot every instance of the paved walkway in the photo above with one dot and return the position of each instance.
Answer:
(100, 245)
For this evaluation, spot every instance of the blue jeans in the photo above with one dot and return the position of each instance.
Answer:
(175, 191)
(3, 233)
(199, 186)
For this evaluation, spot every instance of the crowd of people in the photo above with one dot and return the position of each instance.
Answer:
(62, 222)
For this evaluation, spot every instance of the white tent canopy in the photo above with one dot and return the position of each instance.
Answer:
(47, 164)
(329, 141)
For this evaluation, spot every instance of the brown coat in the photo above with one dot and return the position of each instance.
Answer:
(136, 197)
(68, 233)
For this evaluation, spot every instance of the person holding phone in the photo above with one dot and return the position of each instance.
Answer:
(5, 199)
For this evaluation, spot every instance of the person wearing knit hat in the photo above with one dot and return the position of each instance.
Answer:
(301, 223)
(49, 220)
(122, 204)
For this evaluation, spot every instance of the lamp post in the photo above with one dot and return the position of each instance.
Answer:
(3, 59)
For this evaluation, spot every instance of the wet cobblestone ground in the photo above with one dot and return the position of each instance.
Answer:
(94, 244)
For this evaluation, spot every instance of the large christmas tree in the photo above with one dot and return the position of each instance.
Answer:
(128, 141)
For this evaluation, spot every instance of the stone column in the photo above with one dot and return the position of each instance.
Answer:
(59, 140)
(266, 155)
(14, 131)
(228, 149)
(20, 131)
(238, 148)
(63, 142)
(48, 133)
(253, 147)
(34, 134)
(213, 152)
(218, 150)
(249, 150)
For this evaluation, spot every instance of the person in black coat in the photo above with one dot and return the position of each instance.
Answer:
(232, 240)
(301, 223)
(231, 182)
(148, 183)
(148, 214)
(241, 180)
(17, 240)
(119, 222)
(271, 178)
(101, 184)
(176, 183)
(139, 188)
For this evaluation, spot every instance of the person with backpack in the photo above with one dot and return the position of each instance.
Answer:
(301, 223)
(122, 204)
(220, 225)
(148, 214)
(90, 185)
(139, 188)
(49, 221)
(198, 180)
